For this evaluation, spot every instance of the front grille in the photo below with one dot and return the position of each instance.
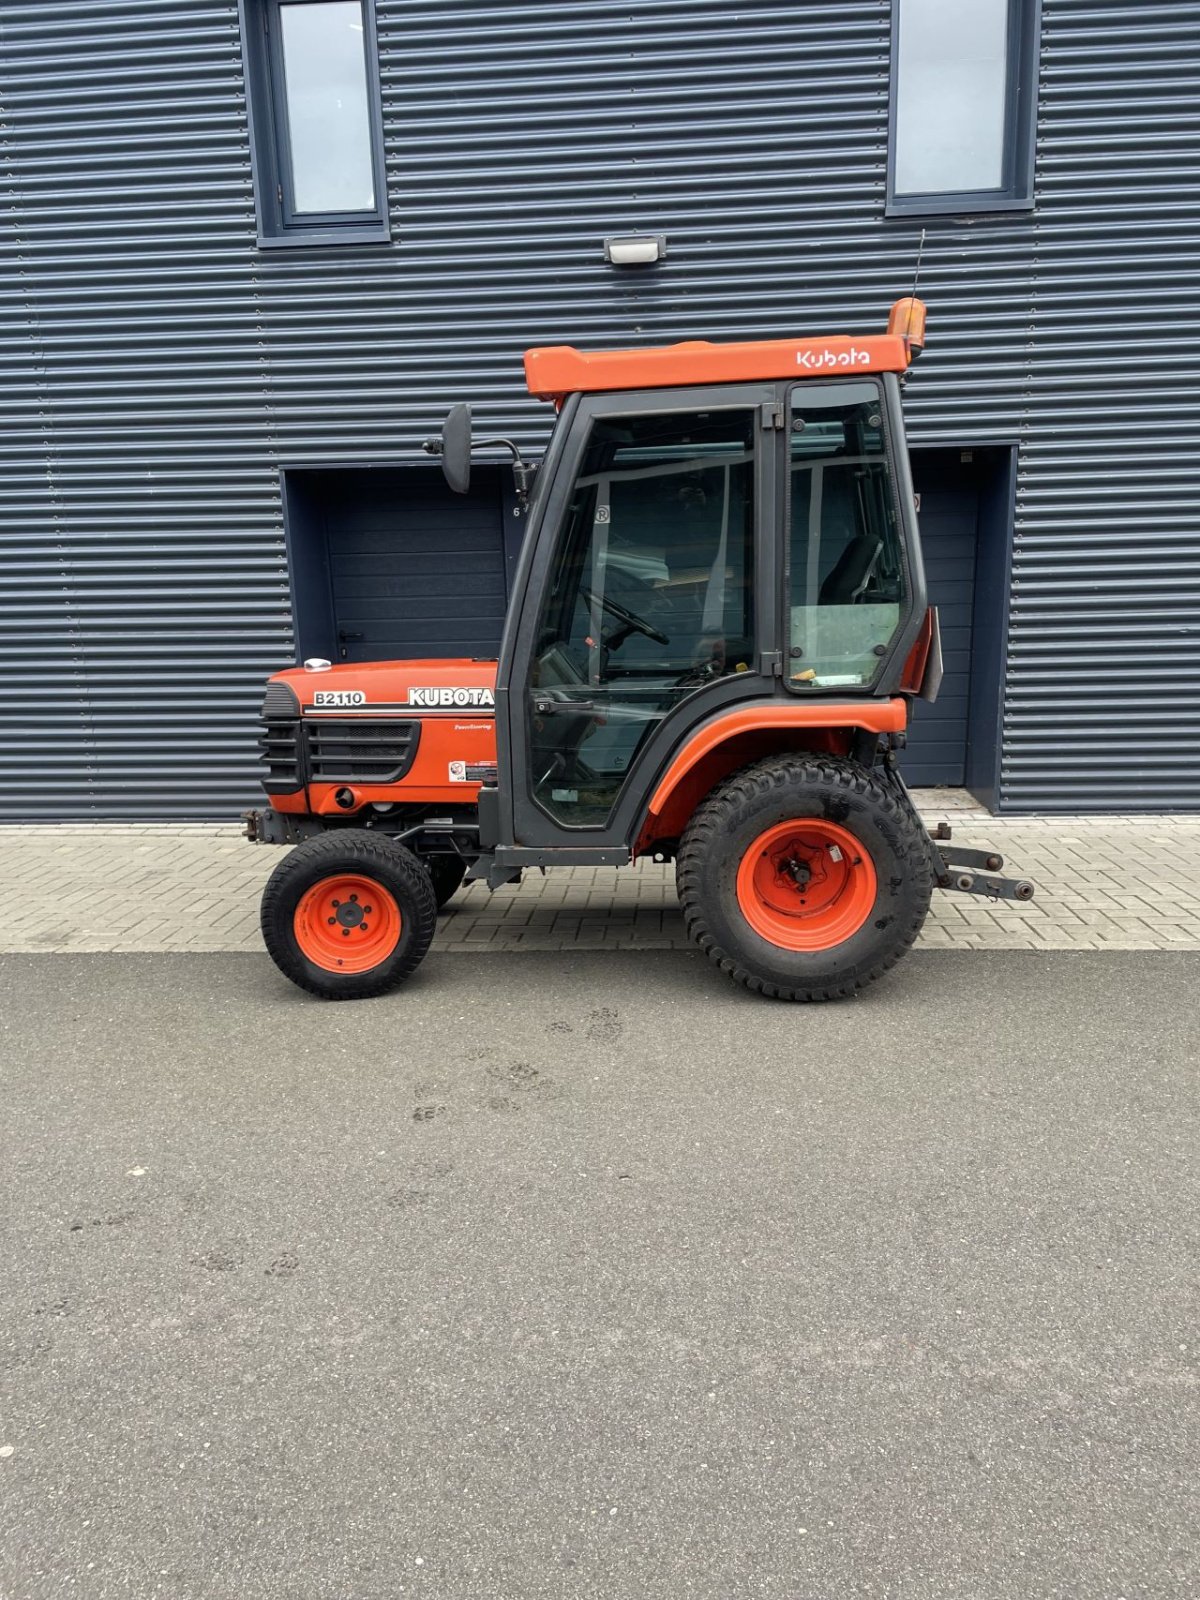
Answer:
(279, 747)
(360, 749)
(279, 742)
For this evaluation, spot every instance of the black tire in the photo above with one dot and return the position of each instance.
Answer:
(446, 874)
(353, 852)
(774, 791)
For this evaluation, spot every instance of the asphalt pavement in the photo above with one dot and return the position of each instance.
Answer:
(591, 1275)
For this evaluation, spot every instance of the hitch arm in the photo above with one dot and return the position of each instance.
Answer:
(973, 871)
(986, 884)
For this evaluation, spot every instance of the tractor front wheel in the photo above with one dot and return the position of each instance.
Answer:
(804, 877)
(348, 914)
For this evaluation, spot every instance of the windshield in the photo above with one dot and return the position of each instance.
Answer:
(846, 579)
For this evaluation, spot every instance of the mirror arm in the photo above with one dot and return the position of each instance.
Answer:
(522, 473)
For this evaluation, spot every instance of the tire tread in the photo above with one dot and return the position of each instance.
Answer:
(775, 775)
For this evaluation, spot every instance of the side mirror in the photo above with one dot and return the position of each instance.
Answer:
(455, 446)
(456, 449)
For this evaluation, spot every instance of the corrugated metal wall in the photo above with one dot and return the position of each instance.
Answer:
(1103, 702)
(158, 367)
(144, 589)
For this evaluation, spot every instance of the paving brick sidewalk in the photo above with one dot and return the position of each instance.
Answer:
(1103, 884)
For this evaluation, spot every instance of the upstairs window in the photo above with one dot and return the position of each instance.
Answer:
(312, 80)
(964, 80)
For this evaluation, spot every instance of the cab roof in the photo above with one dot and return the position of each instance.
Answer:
(555, 371)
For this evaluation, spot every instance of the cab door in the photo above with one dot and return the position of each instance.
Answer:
(649, 601)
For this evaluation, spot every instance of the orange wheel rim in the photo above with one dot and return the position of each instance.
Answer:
(347, 923)
(806, 884)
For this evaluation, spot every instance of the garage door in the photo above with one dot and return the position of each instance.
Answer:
(415, 570)
(949, 491)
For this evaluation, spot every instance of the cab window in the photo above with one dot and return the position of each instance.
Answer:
(846, 580)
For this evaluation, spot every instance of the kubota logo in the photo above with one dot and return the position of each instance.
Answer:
(818, 360)
(457, 699)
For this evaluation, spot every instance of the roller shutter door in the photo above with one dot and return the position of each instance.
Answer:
(415, 570)
(937, 748)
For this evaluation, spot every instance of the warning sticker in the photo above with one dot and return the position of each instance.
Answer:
(458, 772)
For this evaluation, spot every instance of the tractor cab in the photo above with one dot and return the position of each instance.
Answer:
(699, 539)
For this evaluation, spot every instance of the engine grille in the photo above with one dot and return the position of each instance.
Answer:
(360, 749)
(279, 741)
(279, 747)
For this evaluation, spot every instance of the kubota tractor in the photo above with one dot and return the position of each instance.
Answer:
(717, 625)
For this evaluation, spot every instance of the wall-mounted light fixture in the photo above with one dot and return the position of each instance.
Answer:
(635, 249)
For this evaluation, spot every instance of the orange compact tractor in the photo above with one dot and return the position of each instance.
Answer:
(716, 628)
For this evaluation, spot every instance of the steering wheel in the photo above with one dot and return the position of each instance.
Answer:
(632, 621)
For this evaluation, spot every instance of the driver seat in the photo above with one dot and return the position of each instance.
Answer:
(851, 572)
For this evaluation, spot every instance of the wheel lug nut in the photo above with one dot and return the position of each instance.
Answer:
(366, 911)
(332, 920)
(345, 933)
(353, 899)
(335, 904)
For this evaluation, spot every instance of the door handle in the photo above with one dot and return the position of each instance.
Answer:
(561, 708)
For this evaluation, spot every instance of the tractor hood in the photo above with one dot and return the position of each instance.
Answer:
(446, 687)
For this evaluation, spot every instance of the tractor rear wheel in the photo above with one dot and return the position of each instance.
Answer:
(348, 914)
(804, 877)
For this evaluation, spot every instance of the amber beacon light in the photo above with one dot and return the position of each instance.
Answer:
(907, 321)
